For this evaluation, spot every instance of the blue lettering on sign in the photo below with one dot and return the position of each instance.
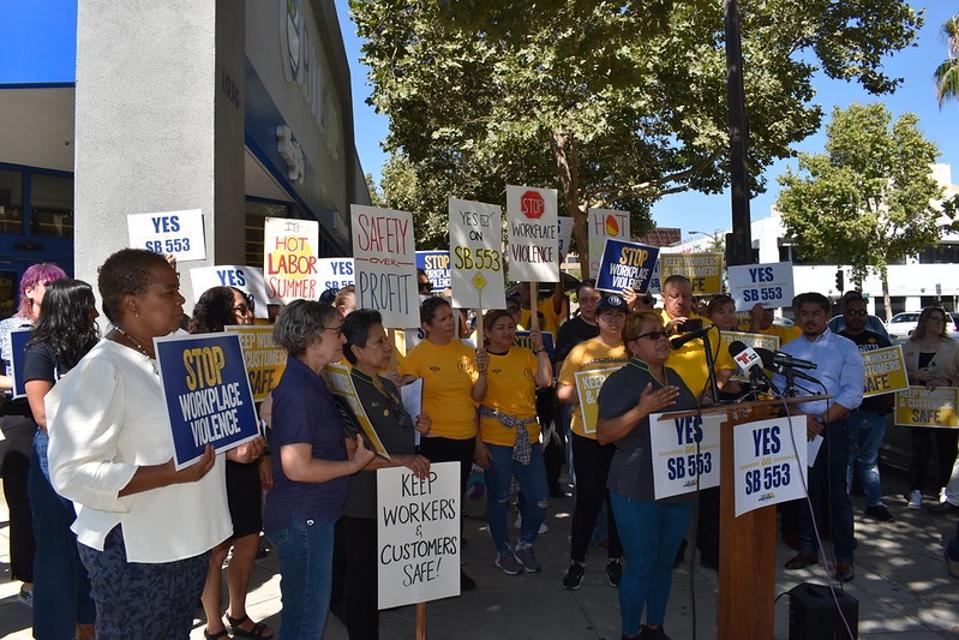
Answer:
(689, 430)
(679, 467)
(231, 277)
(765, 294)
(344, 268)
(166, 224)
(771, 477)
(767, 439)
(761, 274)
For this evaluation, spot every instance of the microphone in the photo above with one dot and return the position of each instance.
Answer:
(750, 363)
(679, 341)
(785, 367)
(793, 363)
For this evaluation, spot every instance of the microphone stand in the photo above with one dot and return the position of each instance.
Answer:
(711, 368)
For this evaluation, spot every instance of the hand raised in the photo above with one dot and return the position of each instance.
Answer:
(652, 401)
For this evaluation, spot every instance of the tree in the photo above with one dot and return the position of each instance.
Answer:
(615, 103)
(869, 199)
(947, 73)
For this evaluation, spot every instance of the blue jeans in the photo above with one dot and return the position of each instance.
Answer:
(651, 533)
(305, 551)
(866, 431)
(828, 478)
(532, 484)
(61, 591)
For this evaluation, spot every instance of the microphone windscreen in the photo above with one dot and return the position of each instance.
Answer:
(736, 347)
(767, 356)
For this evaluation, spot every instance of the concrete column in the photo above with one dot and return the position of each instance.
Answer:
(159, 123)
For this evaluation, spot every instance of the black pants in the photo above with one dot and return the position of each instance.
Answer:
(18, 431)
(554, 449)
(591, 461)
(449, 450)
(362, 617)
(707, 528)
(946, 440)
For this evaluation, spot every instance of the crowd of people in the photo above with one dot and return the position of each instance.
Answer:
(90, 482)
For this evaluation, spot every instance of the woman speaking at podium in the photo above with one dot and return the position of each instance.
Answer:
(651, 530)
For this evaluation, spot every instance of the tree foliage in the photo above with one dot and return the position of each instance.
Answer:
(617, 104)
(947, 73)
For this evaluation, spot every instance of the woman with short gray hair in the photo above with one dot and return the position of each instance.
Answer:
(310, 465)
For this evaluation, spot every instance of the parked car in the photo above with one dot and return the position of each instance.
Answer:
(902, 324)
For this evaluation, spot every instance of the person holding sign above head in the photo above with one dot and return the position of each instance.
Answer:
(721, 311)
(553, 310)
(145, 529)
(508, 442)
(590, 458)
(761, 321)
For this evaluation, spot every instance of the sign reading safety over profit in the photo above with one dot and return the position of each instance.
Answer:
(476, 248)
(385, 265)
(626, 265)
(532, 225)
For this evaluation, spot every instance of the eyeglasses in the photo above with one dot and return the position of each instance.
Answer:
(424, 286)
(242, 308)
(337, 330)
(652, 335)
(857, 312)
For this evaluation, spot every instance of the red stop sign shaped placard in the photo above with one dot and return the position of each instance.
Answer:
(532, 205)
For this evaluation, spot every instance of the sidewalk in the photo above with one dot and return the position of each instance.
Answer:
(901, 583)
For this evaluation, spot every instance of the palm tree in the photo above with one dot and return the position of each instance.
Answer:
(947, 73)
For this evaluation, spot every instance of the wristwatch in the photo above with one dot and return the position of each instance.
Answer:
(821, 420)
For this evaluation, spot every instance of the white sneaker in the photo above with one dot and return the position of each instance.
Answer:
(915, 499)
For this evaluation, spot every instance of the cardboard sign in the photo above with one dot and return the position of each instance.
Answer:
(754, 340)
(768, 284)
(676, 464)
(341, 384)
(532, 225)
(626, 264)
(18, 345)
(334, 273)
(207, 393)
(602, 224)
(265, 362)
(246, 279)
(885, 371)
(418, 535)
(923, 407)
(476, 246)
(588, 384)
(654, 284)
(436, 264)
(178, 233)
(704, 270)
(564, 234)
(523, 339)
(291, 248)
(768, 458)
(385, 255)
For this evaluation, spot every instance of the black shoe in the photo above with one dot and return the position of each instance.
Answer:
(614, 571)
(845, 570)
(648, 633)
(943, 509)
(466, 582)
(573, 578)
(880, 512)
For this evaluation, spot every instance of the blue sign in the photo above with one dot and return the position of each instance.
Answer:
(523, 339)
(436, 264)
(18, 344)
(207, 394)
(626, 265)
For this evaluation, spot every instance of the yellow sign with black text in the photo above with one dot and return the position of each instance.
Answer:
(924, 407)
(704, 270)
(885, 371)
(588, 384)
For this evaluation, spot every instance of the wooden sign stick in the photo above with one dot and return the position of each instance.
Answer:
(421, 621)
(480, 338)
(533, 306)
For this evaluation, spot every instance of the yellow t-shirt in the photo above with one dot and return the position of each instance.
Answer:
(551, 319)
(448, 373)
(689, 361)
(510, 389)
(586, 356)
(785, 334)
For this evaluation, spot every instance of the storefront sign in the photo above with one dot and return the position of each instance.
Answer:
(175, 233)
(290, 251)
(476, 246)
(385, 265)
(625, 265)
(704, 270)
(771, 285)
(677, 460)
(769, 456)
(924, 407)
(532, 223)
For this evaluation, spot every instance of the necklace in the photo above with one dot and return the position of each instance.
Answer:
(139, 347)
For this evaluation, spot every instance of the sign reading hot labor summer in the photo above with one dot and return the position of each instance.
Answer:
(176, 233)
(385, 255)
(564, 231)
(249, 280)
(341, 384)
(418, 535)
(768, 458)
(290, 251)
(704, 270)
(265, 361)
(925, 407)
(532, 223)
(771, 285)
(588, 384)
(753, 340)
(18, 345)
(602, 224)
(684, 451)
(626, 264)
(885, 371)
(207, 392)
(523, 339)
(436, 264)
(334, 273)
(476, 247)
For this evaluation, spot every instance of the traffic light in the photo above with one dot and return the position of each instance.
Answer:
(840, 280)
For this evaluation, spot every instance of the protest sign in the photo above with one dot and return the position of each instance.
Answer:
(436, 264)
(413, 403)
(334, 273)
(564, 233)
(769, 284)
(602, 224)
(265, 362)
(654, 280)
(704, 270)
(341, 384)
(207, 394)
(626, 264)
(177, 233)
(924, 407)
(247, 279)
(385, 255)
(523, 339)
(476, 246)
(18, 345)
(754, 340)
(768, 458)
(418, 535)
(532, 225)
(588, 384)
(291, 248)
(677, 461)
(885, 371)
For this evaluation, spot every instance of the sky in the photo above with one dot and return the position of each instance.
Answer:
(708, 213)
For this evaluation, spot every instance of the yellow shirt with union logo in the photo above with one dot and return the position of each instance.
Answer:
(448, 373)
(510, 389)
(689, 361)
(587, 356)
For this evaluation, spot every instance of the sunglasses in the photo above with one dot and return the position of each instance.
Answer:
(425, 286)
(857, 312)
(652, 335)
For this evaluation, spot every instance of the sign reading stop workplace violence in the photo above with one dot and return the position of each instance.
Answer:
(246, 279)
(704, 270)
(290, 251)
(385, 265)
(532, 240)
(418, 535)
(476, 246)
(625, 265)
(924, 407)
(602, 224)
(265, 361)
(771, 285)
(436, 264)
(207, 394)
(766, 464)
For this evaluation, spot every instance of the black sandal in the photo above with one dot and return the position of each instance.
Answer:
(212, 636)
(256, 632)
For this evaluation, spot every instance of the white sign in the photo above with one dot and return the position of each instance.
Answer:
(676, 464)
(385, 265)
(602, 224)
(418, 535)
(768, 458)
(564, 230)
(769, 284)
(291, 248)
(178, 233)
(532, 225)
(334, 273)
(476, 255)
(246, 279)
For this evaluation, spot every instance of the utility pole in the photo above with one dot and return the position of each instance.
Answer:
(739, 243)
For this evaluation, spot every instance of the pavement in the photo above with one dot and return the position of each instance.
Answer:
(903, 589)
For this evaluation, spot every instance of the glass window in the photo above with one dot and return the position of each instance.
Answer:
(51, 205)
(8, 293)
(11, 202)
(940, 254)
(255, 213)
